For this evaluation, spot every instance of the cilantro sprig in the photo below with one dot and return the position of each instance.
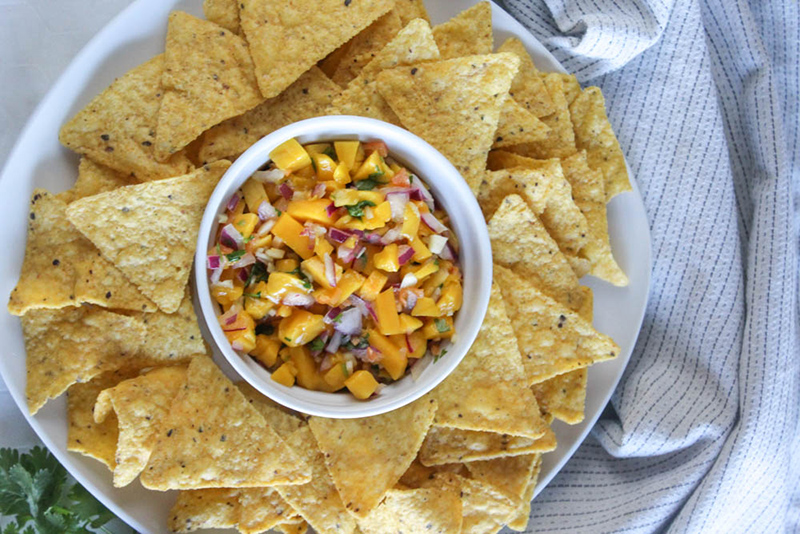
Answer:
(357, 210)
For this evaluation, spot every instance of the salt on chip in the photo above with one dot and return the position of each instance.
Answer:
(564, 395)
(149, 230)
(286, 39)
(594, 134)
(415, 511)
(140, 405)
(204, 508)
(418, 474)
(518, 125)
(410, 10)
(521, 242)
(484, 508)
(519, 521)
(317, 502)
(261, 509)
(281, 422)
(94, 178)
(171, 337)
(552, 338)
(208, 77)
(509, 475)
(310, 96)
(295, 527)
(118, 127)
(448, 445)
(528, 88)
(467, 34)
(588, 189)
(367, 456)
(224, 13)
(454, 105)
(212, 437)
(487, 391)
(571, 87)
(72, 345)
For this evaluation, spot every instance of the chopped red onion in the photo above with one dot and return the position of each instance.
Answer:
(323, 337)
(338, 236)
(319, 190)
(333, 344)
(233, 202)
(373, 238)
(359, 303)
(330, 210)
(408, 344)
(271, 176)
(234, 329)
(391, 236)
(372, 312)
(409, 280)
(447, 253)
(230, 237)
(436, 243)
(237, 345)
(433, 223)
(419, 189)
(216, 274)
(243, 275)
(332, 314)
(398, 202)
(345, 253)
(213, 262)
(266, 210)
(404, 254)
(244, 261)
(229, 317)
(411, 301)
(330, 269)
(361, 354)
(266, 227)
(349, 322)
(286, 191)
(297, 299)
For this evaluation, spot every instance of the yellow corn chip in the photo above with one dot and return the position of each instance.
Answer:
(171, 337)
(484, 508)
(528, 88)
(74, 345)
(317, 501)
(418, 474)
(586, 310)
(118, 127)
(286, 39)
(552, 338)
(447, 445)
(310, 96)
(410, 10)
(521, 243)
(412, 44)
(467, 34)
(94, 178)
(509, 475)
(382, 447)
(519, 522)
(204, 508)
(589, 193)
(594, 134)
(63, 268)
(212, 437)
(415, 511)
(297, 527)
(564, 395)
(487, 391)
(208, 77)
(261, 509)
(281, 422)
(454, 105)
(518, 125)
(224, 13)
(149, 230)
(571, 87)
(140, 405)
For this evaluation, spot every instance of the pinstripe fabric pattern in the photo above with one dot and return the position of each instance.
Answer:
(702, 433)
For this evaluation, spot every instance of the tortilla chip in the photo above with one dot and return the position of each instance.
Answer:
(418, 474)
(410, 10)
(483, 507)
(140, 405)
(467, 34)
(519, 522)
(382, 447)
(487, 391)
(208, 77)
(552, 338)
(299, 527)
(213, 438)
(317, 501)
(528, 88)
(224, 13)
(589, 193)
(287, 39)
(84, 435)
(62, 268)
(74, 345)
(413, 43)
(564, 395)
(281, 422)
(205, 508)
(149, 230)
(534, 185)
(448, 445)
(94, 178)
(594, 134)
(571, 87)
(415, 511)
(310, 96)
(454, 105)
(262, 509)
(346, 63)
(518, 125)
(508, 475)
(118, 127)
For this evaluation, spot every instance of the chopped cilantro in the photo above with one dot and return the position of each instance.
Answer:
(357, 210)
(236, 255)
(288, 339)
(363, 343)
(300, 274)
(317, 345)
(265, 329)
(367, 185)
(441, 325)
(219, 250)
(313, 164)
(330, 152)
(249, 238)
(253, 295)
(436, 358)
(338, 319)
(344, 370)
(258, 273)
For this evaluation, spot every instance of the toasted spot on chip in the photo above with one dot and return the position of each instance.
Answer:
(517, 125)
(74, 345)
(382, 447)
(519, 521)
(118, 127)
(94, 178)
(448, 445)
(432, 510)
(213, 438)
(223, 12)
(208, 77)
(454, 105)
(204, 508)
(148, 231)
(564, 395)
(467, 34)
(528, 88)
(286, 39)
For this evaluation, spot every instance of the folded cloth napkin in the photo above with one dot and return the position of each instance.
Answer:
(703, 434)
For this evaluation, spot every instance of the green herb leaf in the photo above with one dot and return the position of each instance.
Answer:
(436, 358)
(357, 210)
(330, 152)
(367, 185)
(441, 325)
(253, 295)
(344, 370)
(265, 329)
(235, 255)
(258, 273)
(287, 339)
(317, 344)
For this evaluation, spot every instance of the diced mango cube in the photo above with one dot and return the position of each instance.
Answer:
(426, 307)
(254, 194)
(373, 286)
(373, 167)
(451, 298)
(245, 223)
(435, 280)
(285, 374)
(362, 384)
(324, 166)
(341, 175)
(315, 268)
(350, 197)
(266, 350)
(378, 216)
(317, 148)
(393, 358)
(386, 310)
(226, 295)
(348, 284)
(287, 265)
(387, 259)
(322, 246)
(421, 252)
(241, 332)
(300, 327)
(311, 210)
(258, 308)
(418, 343)
(307, 373)
(279, 284)
(290, 156)
(258, 242)
(439, 328)
(409, 324)
(336, 376)
(346, 152)
(410, 222)
(426, 270)
(289, 230)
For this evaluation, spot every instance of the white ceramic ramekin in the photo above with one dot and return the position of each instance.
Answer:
(466, 220)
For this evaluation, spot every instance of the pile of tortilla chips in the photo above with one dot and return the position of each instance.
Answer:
(107, 313)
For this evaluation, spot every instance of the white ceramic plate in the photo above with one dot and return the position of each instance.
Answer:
(38, 160)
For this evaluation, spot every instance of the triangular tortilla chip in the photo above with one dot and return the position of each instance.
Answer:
(533, 185)
(261, 509)
(224, 13)
(552, 338)
(63, 268)
(280, 421)
(382, 446)
(286, 39)
(140, 405)
(171, 337)
(118, 127)
(563, 396)
(484, 508)
(413, 44)
(571, 87)
(520, 242)
(295, 527)
(420, 510)
(517, 125)
(310, 96)
(589, 192)
(509, 475)
(528, 88)
(213, 438)
(467, 34)
(519, 522)
(317, 502)
(94, 178)
(149, 230)
(454, 105)
(204, 508)
(487, 391)
(417, 474)
(208, 77)
(594, 134)
(410, 10)
(448, 445)
(74, 345)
